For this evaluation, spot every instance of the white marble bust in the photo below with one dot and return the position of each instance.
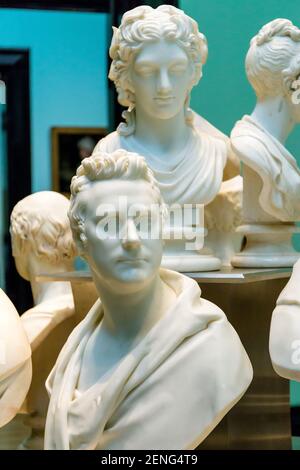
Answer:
(271, 174)
(15, 361)
(157, 58)
(42, 243)
(152, 355)
(284, 342)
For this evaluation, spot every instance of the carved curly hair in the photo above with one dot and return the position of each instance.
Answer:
(42, 229)
(102, 167)
(273, 58)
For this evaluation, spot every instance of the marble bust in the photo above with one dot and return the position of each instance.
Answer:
(42, 243)
(15, 361)
(284, 344)
(271, 202)
(157, 58)
(152, 354)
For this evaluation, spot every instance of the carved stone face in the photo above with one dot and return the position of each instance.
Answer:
(161, 77)
(119, 246)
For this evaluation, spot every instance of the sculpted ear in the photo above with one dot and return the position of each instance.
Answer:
(291, 77)
(295, 96)
(289, 84)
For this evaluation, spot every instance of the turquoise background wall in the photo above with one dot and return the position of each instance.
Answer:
(68, 74)
(224, 94)
(68, 84)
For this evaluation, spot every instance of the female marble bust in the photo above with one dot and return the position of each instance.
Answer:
(271, 173)
(153, 365)
(157, 58)
(272, 66)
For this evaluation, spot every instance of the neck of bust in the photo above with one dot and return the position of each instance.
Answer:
(47, 291)
(129, 313)
(273, 114)
(161, 135)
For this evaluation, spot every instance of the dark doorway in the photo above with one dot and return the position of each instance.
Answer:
(14, 71)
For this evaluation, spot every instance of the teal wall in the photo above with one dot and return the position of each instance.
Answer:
(68, 74)
(224, 94)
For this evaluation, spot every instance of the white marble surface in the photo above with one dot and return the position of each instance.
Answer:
(125, 365)
(284, 342)
(271, 174)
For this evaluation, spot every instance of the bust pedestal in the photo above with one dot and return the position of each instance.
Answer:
(184, 241)
(268, 241)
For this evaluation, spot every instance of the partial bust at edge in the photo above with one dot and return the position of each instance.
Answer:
(15, 361)
(284, 342)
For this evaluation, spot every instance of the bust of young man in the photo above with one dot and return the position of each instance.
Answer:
(153, 365)
(42, 243)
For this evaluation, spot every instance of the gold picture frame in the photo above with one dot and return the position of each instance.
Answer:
(69, 146)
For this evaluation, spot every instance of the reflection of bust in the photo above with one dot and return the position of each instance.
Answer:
(42, 243)
(272, 66)
(152, 355)
(15, 361)
(157, 58)
(285, 329)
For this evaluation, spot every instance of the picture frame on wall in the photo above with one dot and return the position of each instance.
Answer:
(70, 145)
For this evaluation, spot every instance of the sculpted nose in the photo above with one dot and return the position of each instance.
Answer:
(164, 84)
(131, 239)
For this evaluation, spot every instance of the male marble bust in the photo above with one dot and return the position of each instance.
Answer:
(153, 365)
(271, 202)
(42, 243)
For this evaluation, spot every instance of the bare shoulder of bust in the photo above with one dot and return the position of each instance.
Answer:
(109, 143)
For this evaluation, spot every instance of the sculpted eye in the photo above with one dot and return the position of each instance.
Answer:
(145, 71)
(178, 68)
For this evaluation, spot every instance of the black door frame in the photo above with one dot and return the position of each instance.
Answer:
(14, 70)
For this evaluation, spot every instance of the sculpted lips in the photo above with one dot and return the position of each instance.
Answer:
(164, 98)
(130, 260)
